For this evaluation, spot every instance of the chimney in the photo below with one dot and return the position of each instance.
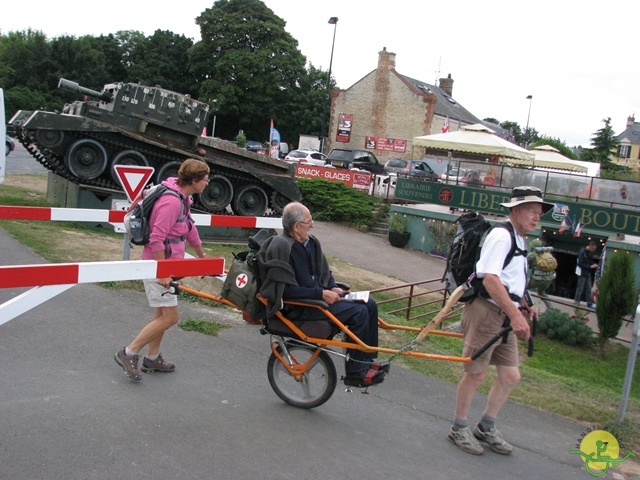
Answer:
(446, 84)
(386, 60)
(631, 119)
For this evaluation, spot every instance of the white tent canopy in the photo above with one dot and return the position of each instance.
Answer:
(476, 139)
(549, 157)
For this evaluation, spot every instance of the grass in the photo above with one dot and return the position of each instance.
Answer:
(207, 327)
(573, 382)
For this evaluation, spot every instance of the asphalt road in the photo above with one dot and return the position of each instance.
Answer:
(69, 412)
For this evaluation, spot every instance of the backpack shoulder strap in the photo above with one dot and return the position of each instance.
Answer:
(515, 250)
(183, 199)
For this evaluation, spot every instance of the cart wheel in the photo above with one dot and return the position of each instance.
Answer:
(316, 385)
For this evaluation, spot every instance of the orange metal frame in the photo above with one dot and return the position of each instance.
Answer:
(355, 343)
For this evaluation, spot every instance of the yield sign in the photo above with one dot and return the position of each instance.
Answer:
(133, 179)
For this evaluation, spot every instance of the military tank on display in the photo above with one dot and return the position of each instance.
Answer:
(132, 124)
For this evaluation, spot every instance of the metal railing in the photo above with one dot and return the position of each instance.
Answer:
(419, 301)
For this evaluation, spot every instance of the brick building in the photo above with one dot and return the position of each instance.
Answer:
(384, 110)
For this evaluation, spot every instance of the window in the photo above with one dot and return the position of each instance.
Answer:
(624, 151)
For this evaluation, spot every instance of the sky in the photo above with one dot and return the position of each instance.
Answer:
(576, 59)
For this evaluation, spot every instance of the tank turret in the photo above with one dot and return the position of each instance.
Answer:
(76, 88)
(133, 124)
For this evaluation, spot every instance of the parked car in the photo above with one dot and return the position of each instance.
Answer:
(410, 168)
(362, 159)
(254, 146)
(306, 156)
(9, 145)
(455, 175)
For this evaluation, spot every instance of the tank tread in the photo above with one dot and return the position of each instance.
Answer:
(55, 163)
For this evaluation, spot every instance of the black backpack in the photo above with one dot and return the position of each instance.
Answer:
(136, 220)
(465, 251)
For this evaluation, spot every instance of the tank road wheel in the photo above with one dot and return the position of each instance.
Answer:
(127, 157)
(278, 202)
(49, 138)
(313, 388)
(218, 194)
(86, 159)
(168, 170)
(250, 201)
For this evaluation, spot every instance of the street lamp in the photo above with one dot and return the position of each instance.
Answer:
(526, 132)
(332, 21)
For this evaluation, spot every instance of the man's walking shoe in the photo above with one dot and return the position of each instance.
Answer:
(157, 365)
(465, 440)
(494, 439)
(128, 364)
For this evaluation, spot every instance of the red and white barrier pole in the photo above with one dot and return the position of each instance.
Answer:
(53, 279)
(116, 217)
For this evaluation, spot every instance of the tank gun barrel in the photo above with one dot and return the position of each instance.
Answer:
(75, 87)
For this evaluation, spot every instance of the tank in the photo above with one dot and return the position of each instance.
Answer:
(132, 124)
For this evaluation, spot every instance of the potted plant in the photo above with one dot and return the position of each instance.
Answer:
(398, 237)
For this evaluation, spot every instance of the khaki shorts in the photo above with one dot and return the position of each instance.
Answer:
(155, 294)
(481, 321)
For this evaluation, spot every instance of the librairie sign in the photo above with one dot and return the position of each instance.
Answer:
(351, 178)
(589, 214)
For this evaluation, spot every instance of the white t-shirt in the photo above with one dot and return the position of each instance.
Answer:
(494, 251)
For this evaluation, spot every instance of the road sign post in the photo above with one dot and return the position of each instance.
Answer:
(133, 179)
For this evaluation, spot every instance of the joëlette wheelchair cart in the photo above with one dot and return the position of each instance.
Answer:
(300, 368)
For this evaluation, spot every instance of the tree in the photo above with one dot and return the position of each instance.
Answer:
(76, 59)
(555, 143)
(162, 59)
(249, 65)
(616, 295)
(604, 145)
(515, 130)
(112, 51)
(28, 54)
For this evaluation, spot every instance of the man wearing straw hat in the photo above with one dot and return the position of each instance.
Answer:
(500, 300)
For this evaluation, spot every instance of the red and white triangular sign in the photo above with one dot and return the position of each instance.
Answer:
(133, 178)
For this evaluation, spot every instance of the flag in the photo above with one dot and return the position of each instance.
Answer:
(578, 230)
(274, 142)
(445, 127)
(574, 224)
(566, 223)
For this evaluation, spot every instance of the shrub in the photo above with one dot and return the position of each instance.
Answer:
(398, 223)
(335, 202)
(616, 295)
(558, 325)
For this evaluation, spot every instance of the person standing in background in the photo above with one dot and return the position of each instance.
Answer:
(586, 263)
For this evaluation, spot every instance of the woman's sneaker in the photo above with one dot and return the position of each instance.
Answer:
(465, 441)
(494, 439)
(157, 365)
(128, 364)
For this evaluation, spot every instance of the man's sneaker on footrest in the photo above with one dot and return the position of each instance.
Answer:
(381, 366)
(365, 378)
